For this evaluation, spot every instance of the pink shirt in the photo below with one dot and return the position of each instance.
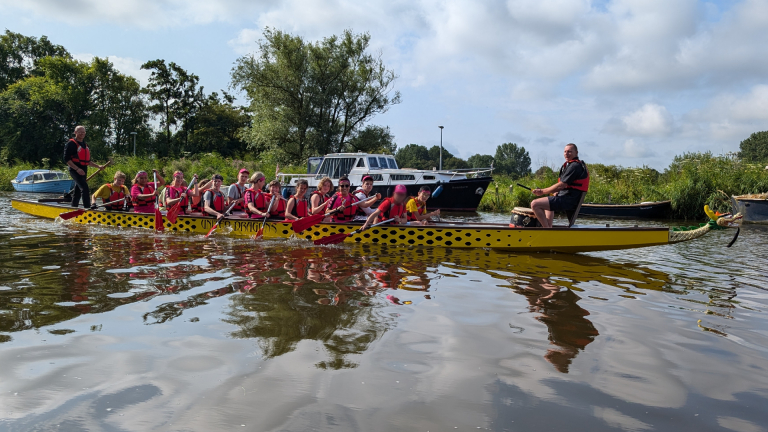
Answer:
(136, 191)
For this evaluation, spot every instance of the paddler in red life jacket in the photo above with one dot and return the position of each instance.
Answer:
(196, 201)
(392, 207)
(343, 200)
(573, 181)
(364, 192)
(297, 206)
(236, 192)
(177, 192)
(114, 191)
(143, 192)
(417, 208)
(256, 200)
(278, 206)
(214, 201)
(77, 156)
(319, 199)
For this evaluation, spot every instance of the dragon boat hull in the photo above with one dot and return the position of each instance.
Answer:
(448, 234)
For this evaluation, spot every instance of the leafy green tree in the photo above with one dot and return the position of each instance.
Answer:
(312, 98)
(216, 127)
(413, 156)
(480, 161)
(176, 98)
(755, 148)
(512, 160)
(373, 139)
(19, 56)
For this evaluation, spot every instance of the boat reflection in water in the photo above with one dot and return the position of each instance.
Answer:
(280, 294)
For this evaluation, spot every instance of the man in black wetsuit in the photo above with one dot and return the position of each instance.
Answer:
(573, 181)
(77, 156)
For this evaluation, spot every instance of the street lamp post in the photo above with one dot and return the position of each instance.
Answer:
(134, 143)
(441, 148)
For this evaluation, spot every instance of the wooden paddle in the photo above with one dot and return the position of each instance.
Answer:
(340, 237)
(260, 232)
(218, 221)
(173, 212)
(158, 216)
(109, 162)
(525, 187)
(310, 221)
(78, 212)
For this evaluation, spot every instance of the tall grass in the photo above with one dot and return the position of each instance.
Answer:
(690, 182)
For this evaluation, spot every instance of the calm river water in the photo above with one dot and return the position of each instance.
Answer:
(108, 329)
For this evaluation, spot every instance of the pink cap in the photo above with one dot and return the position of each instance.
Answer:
(244, 171)
(401, 189)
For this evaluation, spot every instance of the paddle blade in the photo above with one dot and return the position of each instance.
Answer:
(71, 214)
(173, 212)
(332, 239)
(213, 228)
(158, 220)
(307, 222)
(259, 233)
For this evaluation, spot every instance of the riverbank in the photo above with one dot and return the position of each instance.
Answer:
(691, 181)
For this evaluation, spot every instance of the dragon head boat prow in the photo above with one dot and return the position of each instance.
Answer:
(717, 221)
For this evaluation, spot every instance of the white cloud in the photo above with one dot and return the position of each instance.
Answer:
(650, 120)
(629, 150)
(125, 65)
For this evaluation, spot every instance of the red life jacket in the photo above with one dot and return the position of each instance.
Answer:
(83, 155)
(349, 213)
(581, 184)
(241, 205)
(278, 207)
(176, 192)
(300, 208)
(218, 204)
(114, 197)
(394, 209)
(362, 192)
(196, 206)
(421, 208)
(257, 198)
(323, 197)
(148, 189)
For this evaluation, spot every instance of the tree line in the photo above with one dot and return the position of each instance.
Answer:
(509, 159)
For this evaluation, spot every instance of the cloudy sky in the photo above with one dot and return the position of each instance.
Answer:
(633, 82)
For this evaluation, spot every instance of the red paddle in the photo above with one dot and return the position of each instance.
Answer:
(260, 232)
(75, 213)
(216, 225)
(310, 221)
(340, 237)
(173, 212)
(158, 216)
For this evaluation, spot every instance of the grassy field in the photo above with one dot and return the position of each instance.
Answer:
(691, 181)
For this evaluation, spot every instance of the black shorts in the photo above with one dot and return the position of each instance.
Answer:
(564, 203)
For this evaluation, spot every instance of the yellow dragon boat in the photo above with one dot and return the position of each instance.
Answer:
(563, 239)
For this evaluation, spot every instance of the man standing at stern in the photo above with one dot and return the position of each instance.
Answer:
(573, 181)
(77, 156)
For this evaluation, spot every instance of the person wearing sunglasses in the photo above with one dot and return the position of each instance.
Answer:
(417, 207)
(342, 202)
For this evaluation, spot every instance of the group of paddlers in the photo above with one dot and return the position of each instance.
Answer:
(252, 197)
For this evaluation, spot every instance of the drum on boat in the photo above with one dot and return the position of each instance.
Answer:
(523, 217)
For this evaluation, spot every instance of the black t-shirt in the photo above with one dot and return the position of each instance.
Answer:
(70, 151)
(573, 172)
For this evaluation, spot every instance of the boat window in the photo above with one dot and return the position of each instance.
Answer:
(38, 177)
(335, 167)
(62, 175)
(313, 164)
(28, 178)
(383, 162)
(377, 177)
(373, 163)
(397, 177)
(392, 163)
(428, 177)
(361, 163)
(50, 176)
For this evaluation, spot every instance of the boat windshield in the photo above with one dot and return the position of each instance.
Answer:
(335, 167)
(392, 163)
(50, 176)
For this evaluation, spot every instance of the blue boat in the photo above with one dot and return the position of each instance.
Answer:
(43, 181)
